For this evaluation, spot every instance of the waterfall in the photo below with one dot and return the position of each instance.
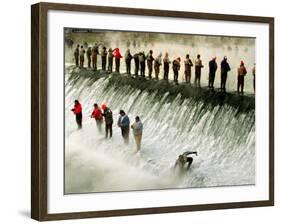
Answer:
(223, 137)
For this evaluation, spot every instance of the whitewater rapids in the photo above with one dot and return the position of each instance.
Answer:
(223, 138)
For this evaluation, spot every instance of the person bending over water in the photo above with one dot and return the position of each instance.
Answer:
(184, 159)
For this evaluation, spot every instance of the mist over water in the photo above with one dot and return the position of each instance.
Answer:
(223, 138)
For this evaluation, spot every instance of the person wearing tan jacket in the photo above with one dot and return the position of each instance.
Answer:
(137, 127)
(187, 69)
(166, 62)
(198, 67)
(241, 72)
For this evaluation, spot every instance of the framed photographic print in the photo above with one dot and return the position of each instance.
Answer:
(140, 111)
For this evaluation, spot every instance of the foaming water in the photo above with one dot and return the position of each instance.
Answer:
(223, 138)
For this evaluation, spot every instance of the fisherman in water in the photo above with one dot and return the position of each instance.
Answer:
(184, 159)
(97, 115)
(108, 118)
(124, 124)
(77, 110)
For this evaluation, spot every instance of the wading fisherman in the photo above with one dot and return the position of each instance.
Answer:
(76, 55)
(117, 56)
(241, 73)
(89, 54)
(157, 64)
(149, 62)
(212, 72)
(137, 64)
(103, 58)
(81, 56)
(176, 68)
(108, 118)
(97, 115)
(225, 68)
(77, 110)
(110, 59)
(124, 124)
(95, 52)
(137, 127)
(187, 69)
(184, 159)
(128, 58)
(198, 67)
(166, 62)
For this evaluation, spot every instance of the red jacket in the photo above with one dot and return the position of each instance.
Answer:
(117, 54)
(97, 114)
(77, 109)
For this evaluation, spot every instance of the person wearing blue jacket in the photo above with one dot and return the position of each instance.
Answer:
(124, 124)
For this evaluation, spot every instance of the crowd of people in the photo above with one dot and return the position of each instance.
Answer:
(103, 116)
(141, 60)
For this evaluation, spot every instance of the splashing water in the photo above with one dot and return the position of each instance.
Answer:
(223, 138)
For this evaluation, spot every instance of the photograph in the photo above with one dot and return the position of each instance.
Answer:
(157, 111)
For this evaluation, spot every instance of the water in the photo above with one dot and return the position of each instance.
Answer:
(224, 140)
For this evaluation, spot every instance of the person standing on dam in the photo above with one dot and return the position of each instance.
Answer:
(212, 72)
(97, 115)
(76, 55)
(95, 53)
(241, 73)
(157, 64)
(128, 58)
(198, 67)
(77, 110)
(110, 59)
(150, 60)
(225, 68)
(137, 63)
(108, 118)
(89, 54)
(166, 62)
(142, 63)
(124, 124)
(117, 55)
(176, 68)
(103, 58)
(187, 69)
(137, 127)
(81, 56)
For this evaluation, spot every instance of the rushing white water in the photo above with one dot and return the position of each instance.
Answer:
(224, 140)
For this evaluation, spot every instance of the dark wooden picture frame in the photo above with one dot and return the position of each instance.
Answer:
(39, 108)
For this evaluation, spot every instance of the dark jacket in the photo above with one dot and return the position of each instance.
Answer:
(76, 52)
(124, 122)
(176, 65)
(89, 52)
(128, 57)
(224, 66)
(136, 58)
(149, 58)
(108, 116)
(213, 67)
